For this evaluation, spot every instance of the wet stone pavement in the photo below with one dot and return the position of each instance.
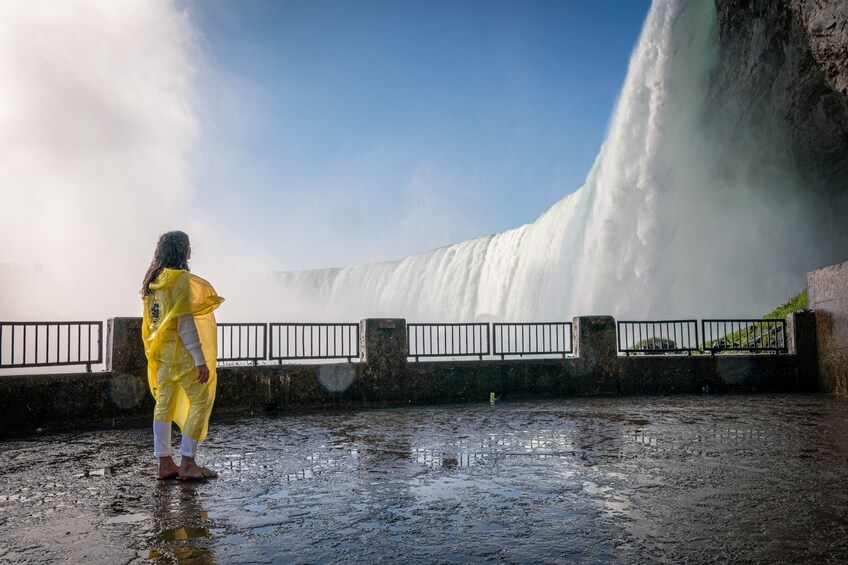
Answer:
(742, 479)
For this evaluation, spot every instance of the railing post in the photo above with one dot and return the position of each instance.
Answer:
(594, 342)
(801, 337)
(383, 342)
(124, 349)
(594, 338)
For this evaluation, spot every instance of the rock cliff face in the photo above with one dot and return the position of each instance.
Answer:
(783, 71)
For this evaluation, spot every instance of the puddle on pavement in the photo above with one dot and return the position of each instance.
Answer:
(128, 519)
(621, 480)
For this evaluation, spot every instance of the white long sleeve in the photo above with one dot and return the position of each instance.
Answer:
(188, 333)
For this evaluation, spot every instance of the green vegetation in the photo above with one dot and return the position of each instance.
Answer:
(654, 344)
(797, 302)
(762, 335)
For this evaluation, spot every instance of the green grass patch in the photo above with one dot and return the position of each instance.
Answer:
(797, 302)
(758, 335)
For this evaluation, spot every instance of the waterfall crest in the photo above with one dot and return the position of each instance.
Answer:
(660, 229)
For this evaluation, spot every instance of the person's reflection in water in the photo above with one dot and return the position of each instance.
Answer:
(181, 530)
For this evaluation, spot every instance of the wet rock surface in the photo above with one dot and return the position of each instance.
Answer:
(783, 71)
(677, 479)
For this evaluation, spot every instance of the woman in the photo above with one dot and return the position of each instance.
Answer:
(180, 341)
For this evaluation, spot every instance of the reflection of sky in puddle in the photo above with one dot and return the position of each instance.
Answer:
(94, 473)
(441, 488)
(128, 519)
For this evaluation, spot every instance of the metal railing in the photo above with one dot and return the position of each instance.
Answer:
(745, 335)
(49, 344)
(659, 336)
(313, 341)
(242, 342)
(447, 340)
(531, 338)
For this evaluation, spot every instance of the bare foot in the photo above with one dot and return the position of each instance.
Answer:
(167, 468)
(189, 469)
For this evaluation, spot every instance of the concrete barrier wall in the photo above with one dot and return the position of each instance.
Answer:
(385, 377)
(827, 293)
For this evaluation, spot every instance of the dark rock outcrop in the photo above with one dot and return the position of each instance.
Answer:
(783, 72)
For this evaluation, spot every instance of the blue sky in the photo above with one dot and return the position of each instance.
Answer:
(340, 132)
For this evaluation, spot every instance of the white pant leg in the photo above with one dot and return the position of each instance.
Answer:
(188, 447)
(161, 439)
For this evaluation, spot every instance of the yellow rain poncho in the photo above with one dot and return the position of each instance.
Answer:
(171, 371)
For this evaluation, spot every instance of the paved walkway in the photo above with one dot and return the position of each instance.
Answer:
(729, 479)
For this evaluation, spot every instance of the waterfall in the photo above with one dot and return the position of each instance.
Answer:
(680, 216)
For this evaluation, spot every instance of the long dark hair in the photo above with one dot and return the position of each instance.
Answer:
(171, 253)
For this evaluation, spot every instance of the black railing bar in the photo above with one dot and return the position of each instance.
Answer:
(742, 320)
(470, 354)
(500, 324)
(480, 341)
(289, 358)
(317, 324)
(52, 323)
(448, 324)
(51, 364)
(654, 321)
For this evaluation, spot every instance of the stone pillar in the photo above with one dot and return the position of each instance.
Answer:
(594, 339)
(801, 341)
(827, 293)
(124, 349)
(595, 353)
(383, 352)
(383, 342)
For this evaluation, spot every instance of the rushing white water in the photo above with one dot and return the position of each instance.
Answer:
(682, 214)
(655, 232)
